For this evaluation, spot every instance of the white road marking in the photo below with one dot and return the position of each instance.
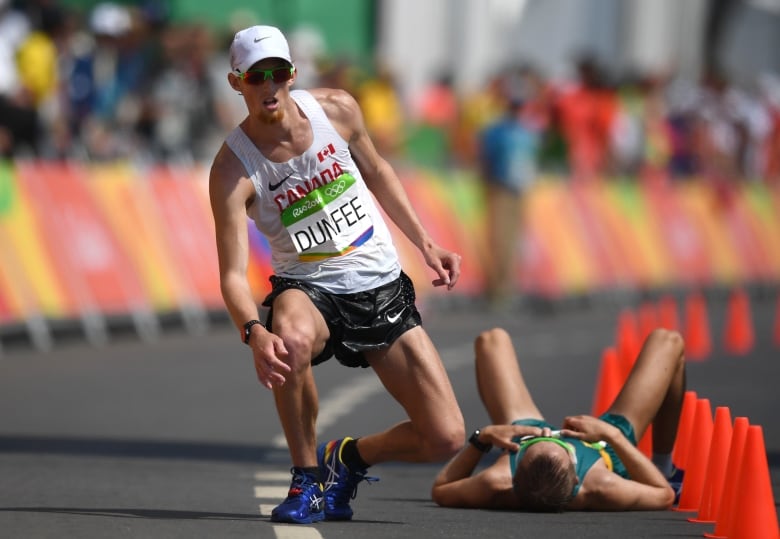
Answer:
(296, 531)
(265, 509)
(273, 477)
(340, 402)
(271, 493)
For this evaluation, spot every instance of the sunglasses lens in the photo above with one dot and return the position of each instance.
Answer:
(254, 77)
(282, 74)
(278, 75)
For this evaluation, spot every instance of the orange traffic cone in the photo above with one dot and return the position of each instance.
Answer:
(698, 453)
(716, 466)
(647, 320)
(755, 501)
(738, 337)
(725, 517)
(609, 382)
(667, 313)
(628, 342)
(680, 451)
(698, 342)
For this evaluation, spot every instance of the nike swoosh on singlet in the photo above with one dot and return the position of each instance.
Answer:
(275, 186)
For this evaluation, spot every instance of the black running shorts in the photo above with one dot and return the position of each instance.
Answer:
(369, 320)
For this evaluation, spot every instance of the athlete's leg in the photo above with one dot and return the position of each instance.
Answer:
(502, 216)
(654, 390)
(412, 372)
(304, 332)
(499, 381)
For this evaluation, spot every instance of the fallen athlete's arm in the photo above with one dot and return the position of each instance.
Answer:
(455, 486)
(646, 490)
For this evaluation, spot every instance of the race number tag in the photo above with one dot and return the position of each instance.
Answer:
(329, 221)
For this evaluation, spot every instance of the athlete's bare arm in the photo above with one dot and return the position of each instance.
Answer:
(604, 490)
(230, 191)
(491, 488)
(344, 112)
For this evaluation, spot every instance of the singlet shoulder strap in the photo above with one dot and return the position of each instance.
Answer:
(313, 110)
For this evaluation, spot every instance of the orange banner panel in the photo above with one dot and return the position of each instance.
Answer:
(128, 208)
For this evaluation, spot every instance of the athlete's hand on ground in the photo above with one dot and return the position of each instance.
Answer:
(501, 435)
(587, 428)
(269, 351)
(445, 263)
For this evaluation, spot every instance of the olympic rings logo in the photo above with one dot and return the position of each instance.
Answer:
(335, 189)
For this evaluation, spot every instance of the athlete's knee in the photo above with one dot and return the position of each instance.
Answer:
(490, 340)
(447, 441)
(670, 340)
(300, 346)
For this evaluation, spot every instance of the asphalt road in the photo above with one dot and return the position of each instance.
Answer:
(176, 439)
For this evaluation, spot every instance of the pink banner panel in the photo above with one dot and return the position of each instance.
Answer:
(87, 254)
(33, 285)
(188, 228)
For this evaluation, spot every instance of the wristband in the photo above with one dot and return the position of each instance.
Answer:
(474, 440)
(248, 330)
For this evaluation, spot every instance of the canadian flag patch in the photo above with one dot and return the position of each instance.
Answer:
(326, 152)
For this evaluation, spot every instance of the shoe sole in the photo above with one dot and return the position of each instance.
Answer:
(319, 517)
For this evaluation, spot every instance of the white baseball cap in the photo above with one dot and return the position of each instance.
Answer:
(256, 43)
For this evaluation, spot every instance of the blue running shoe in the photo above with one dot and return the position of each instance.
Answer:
(339, 482)
(303, 504)
(675, 481)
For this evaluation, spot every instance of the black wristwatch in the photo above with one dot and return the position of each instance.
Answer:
(482, 446)
(248, 330)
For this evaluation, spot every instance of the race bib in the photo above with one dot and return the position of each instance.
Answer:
(329, 221)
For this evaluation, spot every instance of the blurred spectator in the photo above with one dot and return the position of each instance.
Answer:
(229, 106)
(434, 119)
(769, 84)
(123, 81)
(757, 117)
(640, 137)
(721, 133)
(681, 97)
(39, 61)
(437, 104)
(507, 159)
(18, 112)
(587, 111)
(339, 72)
(478, 109)
(307, 46)
(382, 110)
(184, 117)
(109, 68)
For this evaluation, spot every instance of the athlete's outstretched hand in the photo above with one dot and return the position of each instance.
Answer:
(268, 350)
(445, 263)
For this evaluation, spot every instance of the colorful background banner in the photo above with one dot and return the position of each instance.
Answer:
(79, 242)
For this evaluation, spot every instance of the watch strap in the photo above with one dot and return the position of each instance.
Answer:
(248, 329)
(482, 446)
